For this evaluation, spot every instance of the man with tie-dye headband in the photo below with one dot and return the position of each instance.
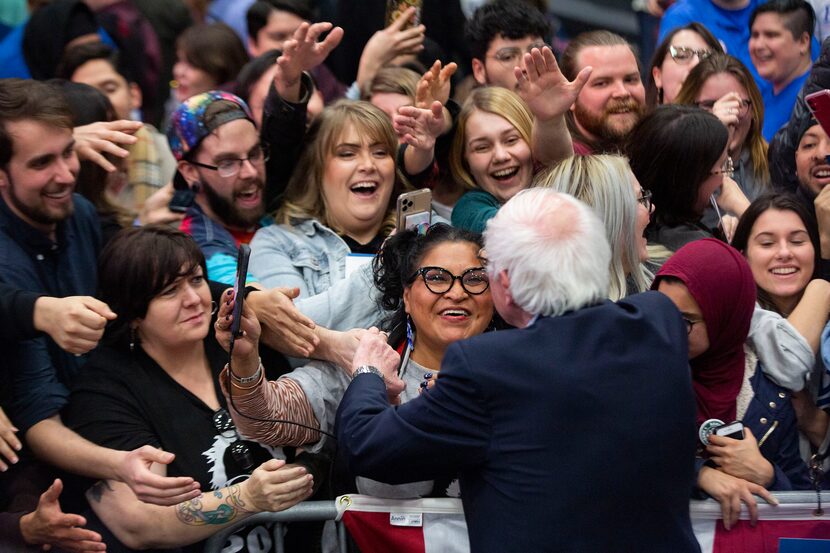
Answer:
(222, 162)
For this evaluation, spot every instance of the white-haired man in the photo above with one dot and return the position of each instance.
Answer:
(573, 432)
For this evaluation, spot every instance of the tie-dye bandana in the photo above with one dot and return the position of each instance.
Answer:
(187, 127)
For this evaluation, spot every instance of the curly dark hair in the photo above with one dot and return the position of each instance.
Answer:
(398, 260)
(512, 19)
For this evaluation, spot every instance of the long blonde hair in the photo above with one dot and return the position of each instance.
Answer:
(604, 183)
(304, 198)
(490, 99)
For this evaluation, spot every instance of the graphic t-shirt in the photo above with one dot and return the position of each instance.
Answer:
(125, 400)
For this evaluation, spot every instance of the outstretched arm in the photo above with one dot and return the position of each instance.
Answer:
(549, 95)
(271, 487)
(301, 53)
(49, 526)
(57, 444)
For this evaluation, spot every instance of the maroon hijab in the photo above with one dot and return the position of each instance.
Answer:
(719, 279)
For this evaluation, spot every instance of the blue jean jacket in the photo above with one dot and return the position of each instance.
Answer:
(771, 418)
(306, 255)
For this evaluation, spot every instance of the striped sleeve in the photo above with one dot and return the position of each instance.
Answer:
(282, 400)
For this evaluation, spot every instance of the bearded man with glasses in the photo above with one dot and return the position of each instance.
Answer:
(216, 142)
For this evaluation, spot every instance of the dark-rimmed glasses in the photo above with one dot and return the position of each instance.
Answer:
(240, 452)
(645, 199)
(683, 55)
(690, 323)
(709, 105)
(230, 167)
(512, 55)
(438, 280)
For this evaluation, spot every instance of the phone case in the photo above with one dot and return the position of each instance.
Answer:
(414, 209)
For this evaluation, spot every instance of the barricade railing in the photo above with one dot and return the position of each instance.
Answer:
(798, 507)
(307, 511)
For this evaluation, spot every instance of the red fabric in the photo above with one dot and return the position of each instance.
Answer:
(719, 279)
(373, 533)
(764, 537)
(241, 236)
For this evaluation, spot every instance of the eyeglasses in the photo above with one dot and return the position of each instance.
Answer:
(727, 169)
(230, 167)
(683, 55)
(512, 55)
(709, 105)
(239, 450)
(440, 281)
(690, 323)
(645, 199)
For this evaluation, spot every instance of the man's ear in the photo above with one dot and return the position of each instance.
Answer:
(504, 282)
(253, 49)
(189, 173)
(657, 75)
(479, 71)
(805, 42)
(136, 99)
(4, 179)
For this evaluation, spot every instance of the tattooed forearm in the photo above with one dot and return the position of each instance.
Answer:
(97, 490)
(195, 513)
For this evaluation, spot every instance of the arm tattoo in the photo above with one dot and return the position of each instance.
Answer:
(97, 490)
(193, 512)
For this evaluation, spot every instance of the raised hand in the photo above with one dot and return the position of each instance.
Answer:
(434, 85)
(245, 359)
(543, 86)
(94, 140)
(386, 44)
(728, 109)
(420, 127)
(303, 52)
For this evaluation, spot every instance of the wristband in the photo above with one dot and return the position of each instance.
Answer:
(247, 379)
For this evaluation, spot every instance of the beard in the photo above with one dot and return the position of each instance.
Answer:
(39, 214)
(228, 213)
(602, 125)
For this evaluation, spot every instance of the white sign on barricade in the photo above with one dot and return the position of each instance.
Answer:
(432, 525)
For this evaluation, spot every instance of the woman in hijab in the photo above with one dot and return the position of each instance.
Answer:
(712, 286)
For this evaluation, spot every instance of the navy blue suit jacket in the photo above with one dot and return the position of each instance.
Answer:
(574, 434)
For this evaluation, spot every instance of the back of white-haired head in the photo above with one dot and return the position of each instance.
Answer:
(554, 250)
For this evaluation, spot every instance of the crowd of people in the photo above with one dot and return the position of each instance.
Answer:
(641, 249)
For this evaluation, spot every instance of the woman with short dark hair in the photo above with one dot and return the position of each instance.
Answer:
(156, 377)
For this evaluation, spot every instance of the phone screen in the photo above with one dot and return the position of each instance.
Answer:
(734, 431)
(239, 289)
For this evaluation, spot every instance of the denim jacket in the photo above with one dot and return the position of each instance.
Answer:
(307, 255)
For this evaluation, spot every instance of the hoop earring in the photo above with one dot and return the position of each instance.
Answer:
(214, 308)
(132, 339)
(410, 334)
